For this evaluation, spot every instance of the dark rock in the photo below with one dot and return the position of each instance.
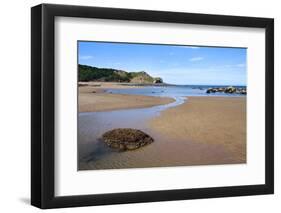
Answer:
(157, 80)
(212, 90)
(230, 90)
(126, 139)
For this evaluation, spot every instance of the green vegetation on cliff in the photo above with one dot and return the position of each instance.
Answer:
(88, 73)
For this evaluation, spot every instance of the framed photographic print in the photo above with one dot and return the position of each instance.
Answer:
(139, 106)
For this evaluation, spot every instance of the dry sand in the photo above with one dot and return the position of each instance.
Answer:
(92, 98)
(208, 120)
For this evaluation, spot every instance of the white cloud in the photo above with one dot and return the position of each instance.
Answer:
(190, 47)
(196, 59)
(86, 57)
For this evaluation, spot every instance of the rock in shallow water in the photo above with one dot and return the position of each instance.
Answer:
(126, 139)
(231, 90)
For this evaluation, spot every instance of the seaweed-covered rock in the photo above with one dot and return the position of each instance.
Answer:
(231, 90)
(212, 90)
(126, 139)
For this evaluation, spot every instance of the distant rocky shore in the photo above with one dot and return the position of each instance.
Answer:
(231, 90)
(89, 73)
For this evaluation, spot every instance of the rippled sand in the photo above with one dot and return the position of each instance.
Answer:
(210, 121)
(202, 131)
(163, 152)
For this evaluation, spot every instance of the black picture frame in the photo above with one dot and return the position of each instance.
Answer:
(43, 111)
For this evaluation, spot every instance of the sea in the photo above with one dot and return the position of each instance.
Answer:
(175, 91)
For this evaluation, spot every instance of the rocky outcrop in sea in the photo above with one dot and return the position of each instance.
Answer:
(230, 90)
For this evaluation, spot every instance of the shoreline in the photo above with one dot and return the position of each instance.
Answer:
(93, 98)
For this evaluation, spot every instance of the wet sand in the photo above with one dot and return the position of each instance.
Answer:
(208, 120)
(92, 98)
(202, 131)
(163, 152)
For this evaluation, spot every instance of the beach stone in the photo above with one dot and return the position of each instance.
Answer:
(124, 139)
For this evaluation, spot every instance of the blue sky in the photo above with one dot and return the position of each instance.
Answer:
(175, 64)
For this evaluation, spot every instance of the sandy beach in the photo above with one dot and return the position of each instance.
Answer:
(202, 131)
(92, 98)
(208, 120)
